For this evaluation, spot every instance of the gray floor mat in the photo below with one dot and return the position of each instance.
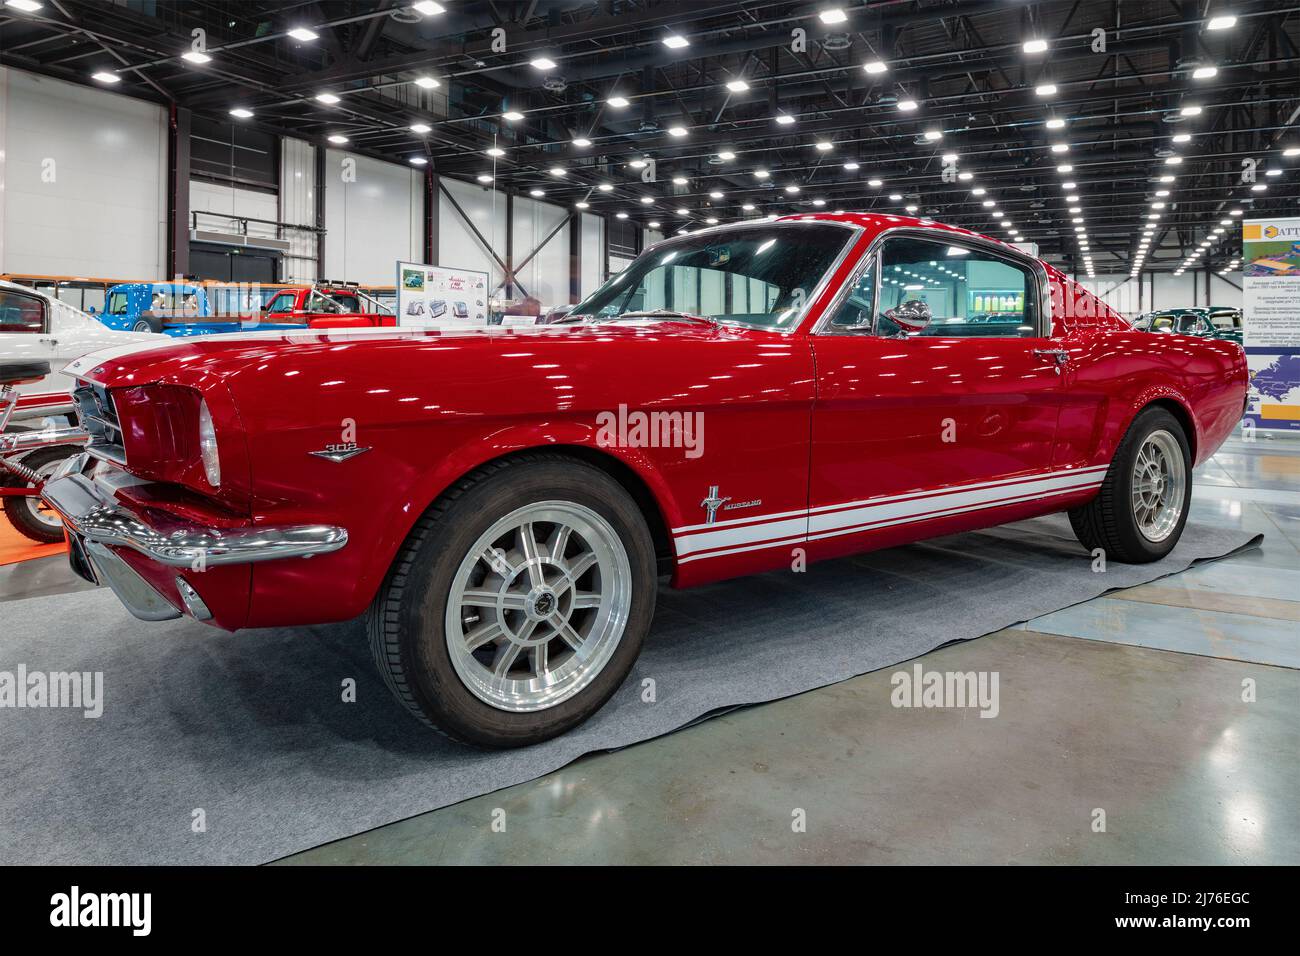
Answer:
(249, 732)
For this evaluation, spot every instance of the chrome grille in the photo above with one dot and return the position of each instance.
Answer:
(98, 416)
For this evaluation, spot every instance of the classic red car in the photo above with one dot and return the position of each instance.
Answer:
(499, 503)
(326, 307)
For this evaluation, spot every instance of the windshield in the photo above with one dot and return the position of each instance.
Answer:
(760, 276)
(117, 303)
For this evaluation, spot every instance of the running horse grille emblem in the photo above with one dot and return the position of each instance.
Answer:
(711, 504)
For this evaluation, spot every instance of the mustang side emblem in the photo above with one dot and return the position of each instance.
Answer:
(340, 451)
(712, 503)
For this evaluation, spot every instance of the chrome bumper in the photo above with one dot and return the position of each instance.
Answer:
(92, 514)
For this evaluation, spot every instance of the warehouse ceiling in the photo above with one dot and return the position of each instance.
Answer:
(1116, 135)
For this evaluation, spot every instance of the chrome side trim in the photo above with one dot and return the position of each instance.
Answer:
(98, 518)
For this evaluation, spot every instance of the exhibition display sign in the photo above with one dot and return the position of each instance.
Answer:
(1271, 316)
(438, 296)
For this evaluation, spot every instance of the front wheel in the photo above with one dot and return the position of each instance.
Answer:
(518, 603)
(1139, 514)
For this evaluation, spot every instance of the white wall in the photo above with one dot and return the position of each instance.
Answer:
(593, 253)
(458, 247)
(1164, 290)
(84, 177)
(297, 204)
(546, 276)
(206, 197)
(373, 217)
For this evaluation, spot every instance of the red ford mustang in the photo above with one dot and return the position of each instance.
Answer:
(498, 503)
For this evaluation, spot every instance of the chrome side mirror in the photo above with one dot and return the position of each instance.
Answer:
(911, 316)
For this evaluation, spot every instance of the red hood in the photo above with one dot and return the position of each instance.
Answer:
(191, 361)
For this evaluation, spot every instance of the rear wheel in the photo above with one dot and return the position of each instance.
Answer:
(29, 514)
(1141, 510)
(518, 604)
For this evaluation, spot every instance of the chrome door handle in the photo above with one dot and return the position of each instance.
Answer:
(1059, 356)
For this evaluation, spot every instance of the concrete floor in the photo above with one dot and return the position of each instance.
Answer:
(1130, 704)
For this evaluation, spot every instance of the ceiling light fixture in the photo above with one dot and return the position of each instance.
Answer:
(303, 34)
(240, 112)
(618, 102)
(675, 42)
(103, 76)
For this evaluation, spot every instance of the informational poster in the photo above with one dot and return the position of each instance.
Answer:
(429, 296)
(1270, 255)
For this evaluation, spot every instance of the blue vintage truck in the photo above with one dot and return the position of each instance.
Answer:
(179, 309)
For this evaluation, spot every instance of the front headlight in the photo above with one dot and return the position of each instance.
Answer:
(208, 446)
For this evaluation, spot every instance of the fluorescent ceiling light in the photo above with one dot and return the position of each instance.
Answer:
(792, 189)
(933, 134)
(1045, 89)
(542, 63)
(512, 116)
(582, 142)
(833, 15)
(748, 207)
(303, 34)
(1204, 72)
(761, 174)
(418, 161)
(1060, 147)
(426, 82)
(430, 8)
(1226, 22)
(241, 113)
(675, 42)
(683, 211)
(653, 225)
(851, 167)
(715, 194)
(484, 178)
(338, 139)
(557, 171)
(824, 146)
(785, 119)
(582, 205)
(1035, 46)
(421, 128)
(737, 86)
(638, 164)
(537, 193)
(907, 104)
(678, 131)
(195, 56)
(1065, 168)
(726, 155)
(874, 66)
(605, 188)
(874, 183)
(1055, 123)
(618, 102)
(680, 180)
(327, 98)
(1190, 111)
(26, 6)
(620, 215)
(495, 151)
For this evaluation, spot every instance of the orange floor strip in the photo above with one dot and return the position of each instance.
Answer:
(14, 547)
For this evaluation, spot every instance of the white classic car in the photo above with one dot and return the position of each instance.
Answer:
(37, 328)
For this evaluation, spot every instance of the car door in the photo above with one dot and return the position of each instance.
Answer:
(25, 333)
(918, 431)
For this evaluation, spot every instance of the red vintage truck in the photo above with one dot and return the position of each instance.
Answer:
(331, 306)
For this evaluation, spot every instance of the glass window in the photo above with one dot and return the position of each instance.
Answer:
(21, 313)
(856, 310)
(967, 291)
(118, 302)
(281, 303)
(759, 276)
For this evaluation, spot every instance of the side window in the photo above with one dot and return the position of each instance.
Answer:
(968, 292)
(281, 303)
(21, 313)
(856, 310)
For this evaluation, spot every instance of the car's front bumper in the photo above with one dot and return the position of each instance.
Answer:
(99, 528)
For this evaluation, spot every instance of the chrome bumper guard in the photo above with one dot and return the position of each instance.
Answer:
(96, 523)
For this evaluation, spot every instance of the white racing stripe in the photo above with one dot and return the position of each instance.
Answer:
(853, 517)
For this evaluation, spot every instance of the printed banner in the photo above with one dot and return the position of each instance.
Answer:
(430, 296)
(1270, 255)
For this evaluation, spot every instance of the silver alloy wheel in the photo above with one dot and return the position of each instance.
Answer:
(538, 606)
(1159, 485)
(36, 506)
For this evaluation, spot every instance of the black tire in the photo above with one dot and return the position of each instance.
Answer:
(406, 621)
(21, 511)
(1108, 522)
